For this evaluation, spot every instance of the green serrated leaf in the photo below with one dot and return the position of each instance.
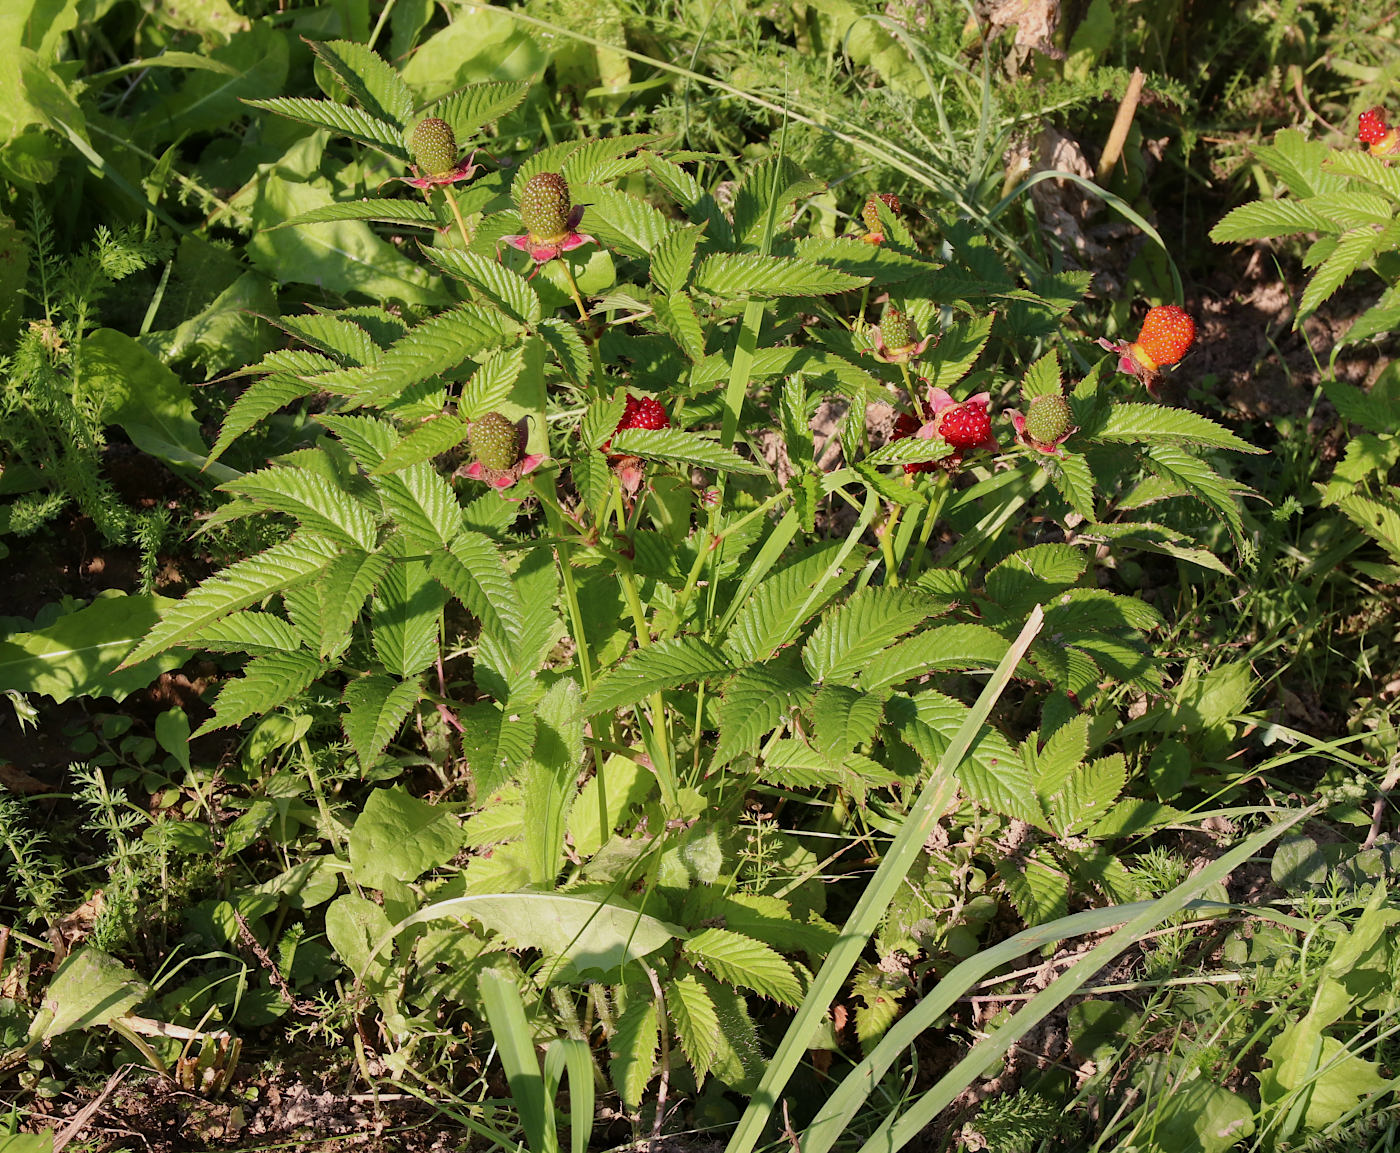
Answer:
(473, 571)
(678, 311)
(1264, 219)
(405, 618)
(622, 222)
(1043, 377)
(250, 631)
(1151, 424)
(947, 648)
(495, 744)
(1052, 764)
(570, 353)
(1087, 794)
(634, 1044)
(470, 108)
(241, 584)
(355, 123)
(507, 290)
(1379, 519)
(367, 79)
(1037, 887)
(673, 258)
(315, 502)
(750, 275)
(755, 702)
(1203, 483)
(673, 444)
(850, 635)
(1362, 165)
(697, 1023)
(843, 719)
(958, 348)
(413, 213)
(742, 961)
(664, 665)
(440, 343)
(772, 614)
(430, 439)
(1032, 575)
(342, 591)
(331, 334)
(1354, 248)
(375, 708)
(267, 681)
(421, 503)
(992, 773)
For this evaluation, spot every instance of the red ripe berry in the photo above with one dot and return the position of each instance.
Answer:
(965, 426)
(644, 413)
(1167, 332)
(1373, 127)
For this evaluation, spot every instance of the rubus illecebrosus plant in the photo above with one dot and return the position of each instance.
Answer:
(727, 630)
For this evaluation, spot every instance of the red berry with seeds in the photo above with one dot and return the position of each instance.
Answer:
(1167, 332)
(434, 146)
(965, 425)
(495, 442)
(646, 412)
(1373, 126)
(545, 206)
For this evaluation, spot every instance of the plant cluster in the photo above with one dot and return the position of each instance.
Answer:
(707, 622)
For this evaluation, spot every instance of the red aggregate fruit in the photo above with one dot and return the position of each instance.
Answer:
(966, 425)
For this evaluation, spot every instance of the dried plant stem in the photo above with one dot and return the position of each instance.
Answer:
(1118, 134)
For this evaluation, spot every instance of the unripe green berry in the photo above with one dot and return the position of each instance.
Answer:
(495, 441)
(896, 329)
(1048, 418)
(434, 147)
(545, 205)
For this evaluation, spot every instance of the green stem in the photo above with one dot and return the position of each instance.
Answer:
(910, 391)
(573, 288)
(937, 499)
(655, 736)
(887, 549)
(549, 501)
(333, 831)
(711, 541)
(457, 212)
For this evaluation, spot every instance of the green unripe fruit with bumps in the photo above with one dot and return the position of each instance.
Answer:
(897, 329)
(495, 441)
(545, 206)
(1048, 418)
(434, 146)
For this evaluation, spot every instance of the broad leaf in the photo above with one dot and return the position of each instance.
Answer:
(664, 665)
(741, 960)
